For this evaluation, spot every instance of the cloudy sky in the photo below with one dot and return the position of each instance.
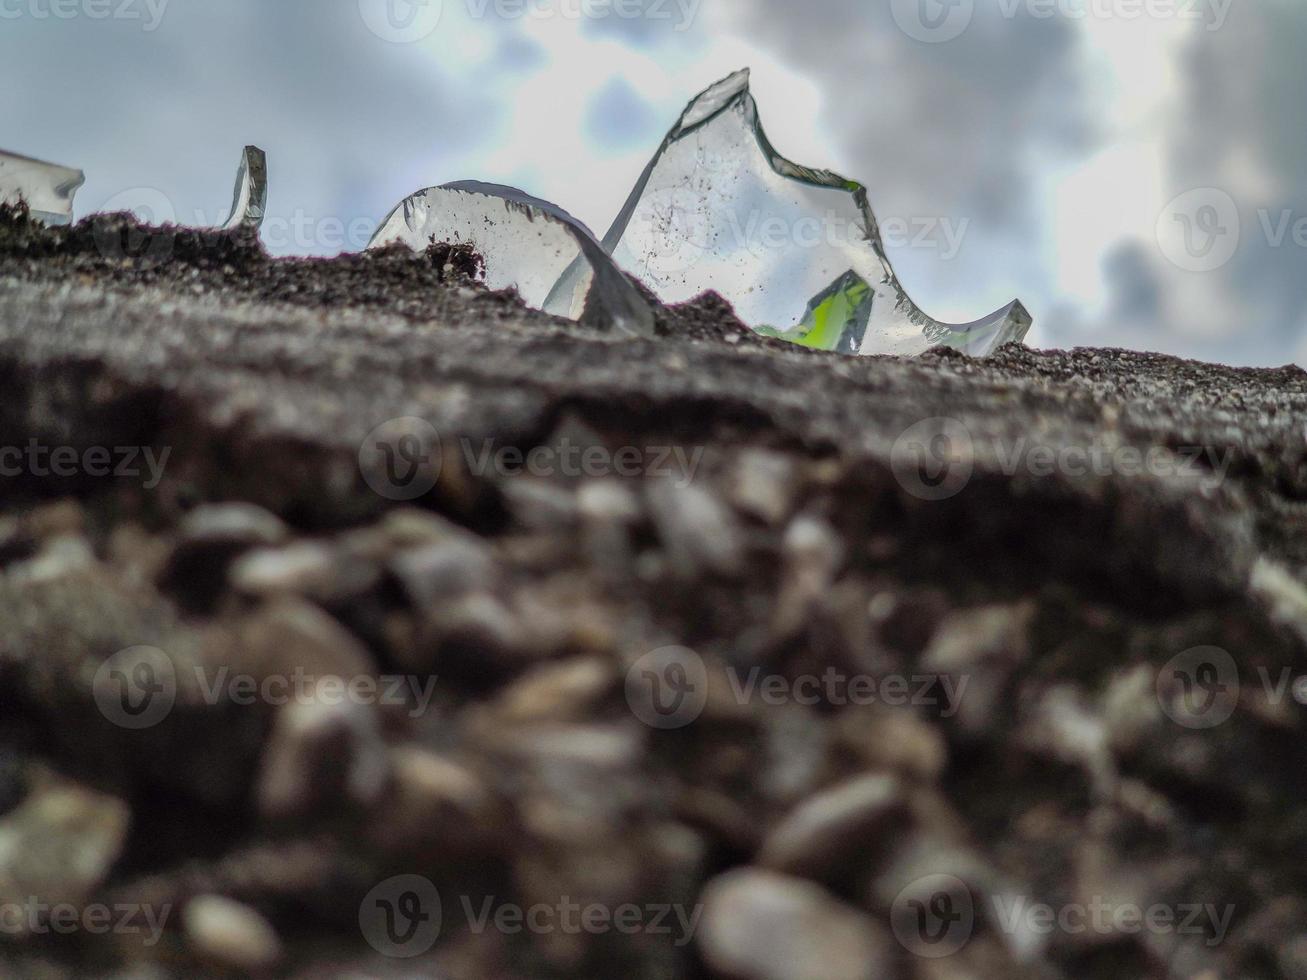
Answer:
(1134, 170)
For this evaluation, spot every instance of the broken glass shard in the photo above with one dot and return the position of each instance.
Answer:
(551, 259)
(836, 318)
(797, 251)
(250, 199)
(46, 188)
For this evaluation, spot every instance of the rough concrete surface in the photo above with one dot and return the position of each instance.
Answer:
(356, 621)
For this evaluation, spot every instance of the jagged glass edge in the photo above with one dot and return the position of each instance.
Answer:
(978, 338)
(72, 181)
(610, 289)
(250, 198)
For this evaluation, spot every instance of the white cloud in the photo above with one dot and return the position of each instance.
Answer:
(1059, 141)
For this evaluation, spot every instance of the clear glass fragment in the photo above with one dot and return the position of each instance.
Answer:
(46, 188)
(551, 258)
(250, 198)
(797, 251)
(836, 318)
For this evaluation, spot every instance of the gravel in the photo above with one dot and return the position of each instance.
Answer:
(699, 656)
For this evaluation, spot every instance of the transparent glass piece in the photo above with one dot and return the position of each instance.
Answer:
(796, 251)
(836, 318)
(250, 199)
(551, 259)
(46, 188)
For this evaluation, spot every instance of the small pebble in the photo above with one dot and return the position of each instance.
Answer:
(231, 934)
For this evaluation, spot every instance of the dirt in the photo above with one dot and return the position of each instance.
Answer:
(1023, 564)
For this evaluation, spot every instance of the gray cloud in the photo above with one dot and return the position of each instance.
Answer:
(966, 129)
(351, 123)
(618, 117)
(957, 130)
(1242, 132)
(1136, 288)
(931, 126)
